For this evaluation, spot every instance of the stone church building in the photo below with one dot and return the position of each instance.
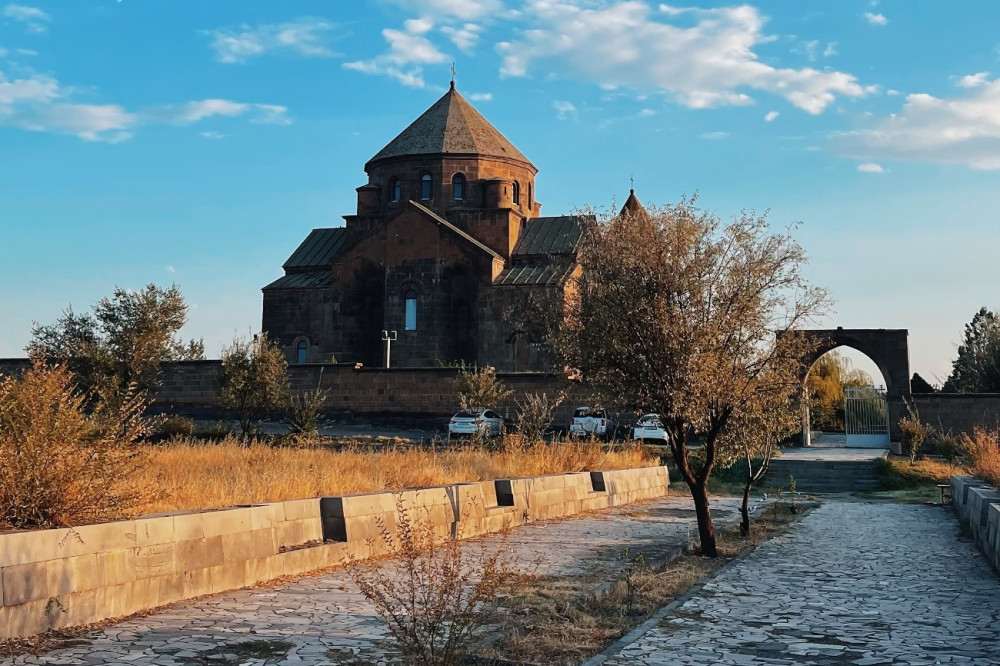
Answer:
(446, 248)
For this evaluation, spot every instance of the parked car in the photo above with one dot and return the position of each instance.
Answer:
(649, 427)
(589, 421)
(485, 422)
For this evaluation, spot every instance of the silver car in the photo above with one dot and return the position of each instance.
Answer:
(649, 427)
(591, 422)
(485, 422)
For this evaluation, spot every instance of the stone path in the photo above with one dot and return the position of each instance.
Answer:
(853, 583)
(315, 615)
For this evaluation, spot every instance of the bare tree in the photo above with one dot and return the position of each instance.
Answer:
(676, 313)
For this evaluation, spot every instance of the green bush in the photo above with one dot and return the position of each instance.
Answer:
(175, 426)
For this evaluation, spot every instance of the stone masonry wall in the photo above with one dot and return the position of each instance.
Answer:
(53, 579)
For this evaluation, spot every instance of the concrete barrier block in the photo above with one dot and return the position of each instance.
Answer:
(312, 530)
(237, 547)
(25, 582)
(154, 531)
(199, 554)
(262, 543)
(288, 534)
(24, 620)
(72, 574)
(152, 561)
(98, 538)
(262, 569)
(170, 589)
(141, 595)
(979, 501)
(197, 582)
(116, 567)
(226, 577)
(36, 546)
(266, 516)
(188, 527)
(301, 509)
(229, 521)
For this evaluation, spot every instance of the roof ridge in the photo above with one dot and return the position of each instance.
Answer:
(445, 223)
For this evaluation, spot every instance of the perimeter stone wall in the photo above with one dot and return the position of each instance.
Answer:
(53, 579)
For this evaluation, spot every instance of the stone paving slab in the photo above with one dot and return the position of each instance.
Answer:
(327, 612)
(853, 583)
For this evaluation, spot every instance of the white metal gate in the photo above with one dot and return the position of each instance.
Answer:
(866, 417)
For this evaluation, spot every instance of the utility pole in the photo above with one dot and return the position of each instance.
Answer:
(388, 337)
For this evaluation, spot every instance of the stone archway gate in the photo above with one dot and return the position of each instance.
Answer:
(888, 348)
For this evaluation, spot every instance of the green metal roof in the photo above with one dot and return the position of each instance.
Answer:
(551, 235)
(318, 249)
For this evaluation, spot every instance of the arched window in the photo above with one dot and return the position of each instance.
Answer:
(425, 187)
(516, 194)
(302, 352)
(411, 311)
(458, 187)
(394, 190)
(529, 196)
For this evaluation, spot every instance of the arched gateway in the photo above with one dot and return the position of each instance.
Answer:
(886, 347)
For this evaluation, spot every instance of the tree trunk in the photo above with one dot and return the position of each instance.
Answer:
(745, 510)
(706, 530)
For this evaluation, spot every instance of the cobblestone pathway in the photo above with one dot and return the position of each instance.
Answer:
(303, 621)
(853, 583)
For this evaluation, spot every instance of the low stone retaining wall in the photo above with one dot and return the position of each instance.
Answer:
(978, 505)
(53, 579)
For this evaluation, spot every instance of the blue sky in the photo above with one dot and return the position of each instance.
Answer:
(198, 142)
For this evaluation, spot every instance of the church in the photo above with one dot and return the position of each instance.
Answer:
(447, 249)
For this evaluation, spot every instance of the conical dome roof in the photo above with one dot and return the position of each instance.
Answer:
(451, 126)
(633, 206)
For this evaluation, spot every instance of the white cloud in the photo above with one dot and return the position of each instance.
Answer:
(771, 115)
(34, 19)
(464, 10)
(171, 269)
(875, 19)
(215, 136)
(963, 130)
(713, 136)
(830, 50)
(870, 167)
(481, 97)
(465, 37)
(305, 36)
(891, 92)
(647, 113)
(409, 49)
(38, 103)
(974, 80)
(564, 109)
(700, 57)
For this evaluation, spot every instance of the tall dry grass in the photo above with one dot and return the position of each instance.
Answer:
(982, 450)
(191, 475)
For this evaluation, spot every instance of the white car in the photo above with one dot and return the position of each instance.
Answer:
(589, 422)
(649, 427)
(485, 422)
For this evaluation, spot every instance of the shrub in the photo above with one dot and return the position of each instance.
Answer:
(254, 380)
(64, 465)
(534, 415)
(479, 388)
(437, 595)
(947, 446)
(983, 453)
(175, 426)
(305, 414)
(913, 431)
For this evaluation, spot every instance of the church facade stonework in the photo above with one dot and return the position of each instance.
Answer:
(447, 248)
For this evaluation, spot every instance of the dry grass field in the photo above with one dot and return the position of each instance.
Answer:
(187, 474)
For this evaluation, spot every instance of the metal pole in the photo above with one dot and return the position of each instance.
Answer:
(388, 337)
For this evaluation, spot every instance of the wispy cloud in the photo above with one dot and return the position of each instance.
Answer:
(481, 97)
(701, 58)
(461, 9)
(875, 19)
(309, 37)
(963, 130)
(34, 19)
(409, 50)
(870, 167)
(713, 136)
(974, 80)
(564, 110)
(39, 103)
(465, 36)
(771, 115)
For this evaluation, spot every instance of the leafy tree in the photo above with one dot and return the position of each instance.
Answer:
(752, 435)
(920, 385)
(977, 367)
(825, 387)
(122, 343)
(676, 313)
(254, 380)
(479, 388)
